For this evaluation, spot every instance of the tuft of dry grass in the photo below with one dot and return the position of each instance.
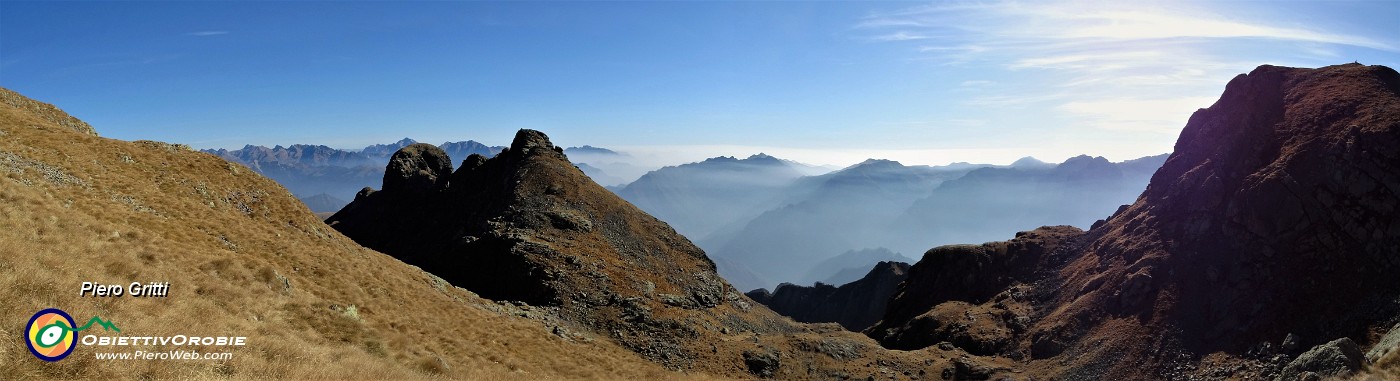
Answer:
(243, 258)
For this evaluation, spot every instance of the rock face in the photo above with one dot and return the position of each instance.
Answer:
(1287, 184)
(1278, 204)
(856, 305)
(959, 277)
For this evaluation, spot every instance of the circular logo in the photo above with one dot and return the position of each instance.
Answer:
(50, 335)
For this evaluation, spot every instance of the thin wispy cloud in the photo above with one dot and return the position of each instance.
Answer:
(207, 33)
(1105, 65)
(901, 36)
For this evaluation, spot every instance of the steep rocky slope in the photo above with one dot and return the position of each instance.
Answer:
(243, 258)
(528, 227)
(855, 305)
(1270, 229)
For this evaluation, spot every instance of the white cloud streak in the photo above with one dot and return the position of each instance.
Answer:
(1104, 65)
(207, 33)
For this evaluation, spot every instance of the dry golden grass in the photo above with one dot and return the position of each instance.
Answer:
(244, 258)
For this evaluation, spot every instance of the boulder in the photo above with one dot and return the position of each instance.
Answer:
(1337, 358)
(762, 363)
(417, 169)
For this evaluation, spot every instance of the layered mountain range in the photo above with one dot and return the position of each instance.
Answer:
(766, 222)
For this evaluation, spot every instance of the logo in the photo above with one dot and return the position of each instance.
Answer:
(50, 333)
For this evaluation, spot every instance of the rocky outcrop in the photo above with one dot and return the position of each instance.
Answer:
(762, 363)
(856, 305)
(418, 168)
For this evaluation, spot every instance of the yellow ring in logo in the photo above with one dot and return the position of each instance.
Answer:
(50, 335)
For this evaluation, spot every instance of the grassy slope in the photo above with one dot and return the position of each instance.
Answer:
(243, 258)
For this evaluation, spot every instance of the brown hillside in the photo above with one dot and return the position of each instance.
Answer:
(527, 226)
(1271, 229)
(243, 257)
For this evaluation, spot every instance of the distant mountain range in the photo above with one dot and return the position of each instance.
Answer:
(699, 198)
(764, 222)
(312, 171)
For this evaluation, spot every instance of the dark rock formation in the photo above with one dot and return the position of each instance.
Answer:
(856, 305)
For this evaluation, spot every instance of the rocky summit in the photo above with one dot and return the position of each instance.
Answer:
(1269, 232)
(529, 228)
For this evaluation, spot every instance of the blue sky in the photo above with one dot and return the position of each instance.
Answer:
(824, 82)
